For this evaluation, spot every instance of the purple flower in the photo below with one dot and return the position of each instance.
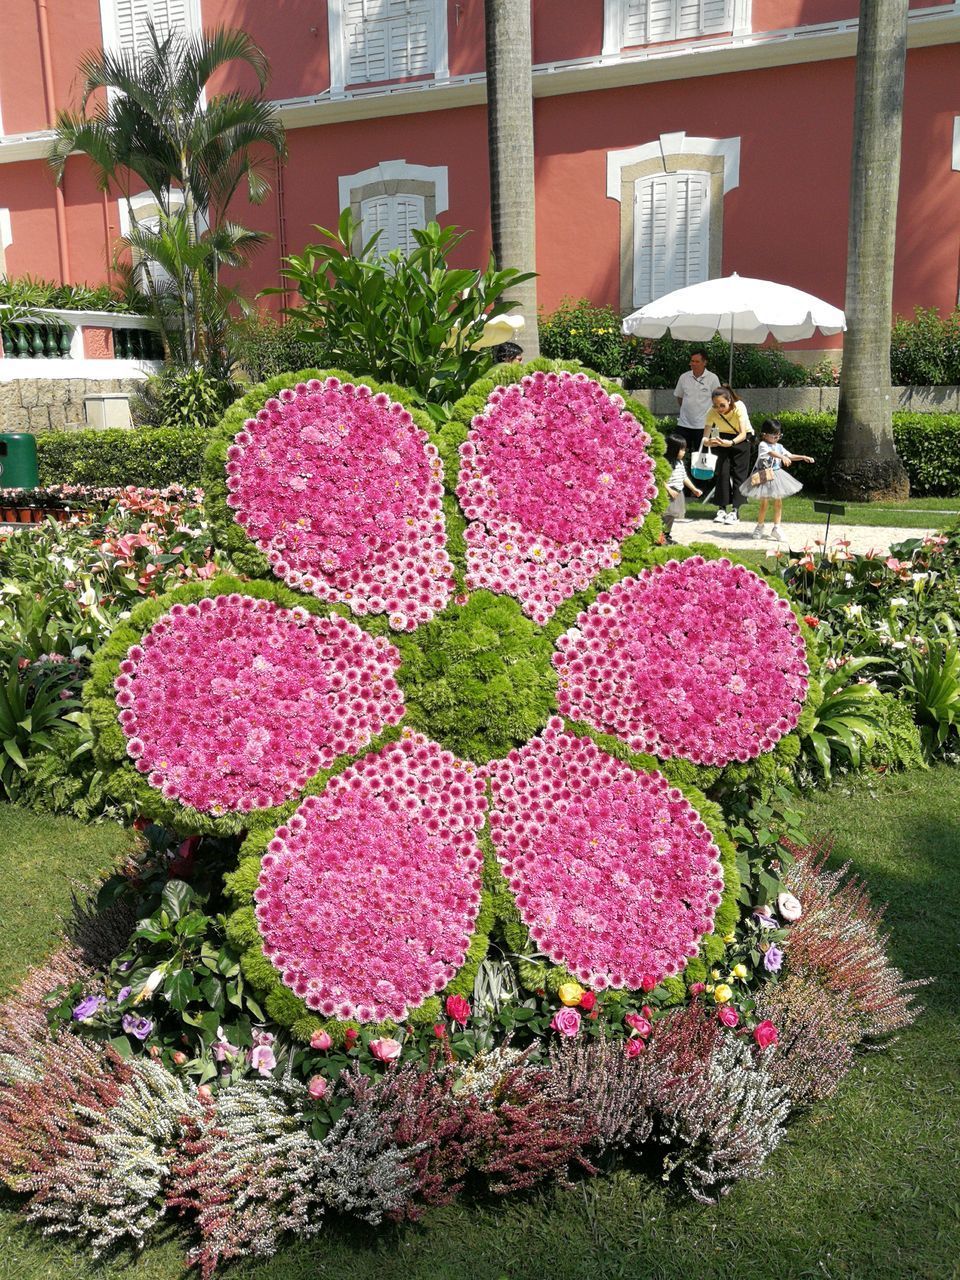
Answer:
(124, 966)
(87, 1007)
(772, 958)
(123, 994)
(134, 1026)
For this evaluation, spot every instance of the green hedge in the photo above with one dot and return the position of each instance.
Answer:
(928, 444)
(154, 457)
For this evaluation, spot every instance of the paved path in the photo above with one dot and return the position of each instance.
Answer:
(737, 537)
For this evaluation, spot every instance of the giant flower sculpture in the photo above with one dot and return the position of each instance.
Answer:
(457, 685)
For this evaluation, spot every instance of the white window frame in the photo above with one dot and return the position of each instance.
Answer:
(145, 206)
(110, 32)
(672, 181)
(6, 239)
(339, 59)
(614, 14)
(397, 178)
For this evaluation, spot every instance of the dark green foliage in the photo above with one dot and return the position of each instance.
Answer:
(264, 347)
(478, 678)
(925, 351)
(182, 397)
(897, 744)
(153, 457)
(28, 292)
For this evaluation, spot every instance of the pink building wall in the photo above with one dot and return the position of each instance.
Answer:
(785, 220)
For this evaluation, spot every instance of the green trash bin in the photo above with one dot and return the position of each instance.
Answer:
(18, 461)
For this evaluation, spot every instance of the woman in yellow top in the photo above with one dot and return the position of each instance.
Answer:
(727, 429)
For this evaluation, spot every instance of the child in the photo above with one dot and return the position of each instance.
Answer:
(772, 457)
(678, 481)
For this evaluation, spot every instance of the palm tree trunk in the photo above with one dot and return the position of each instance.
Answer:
(510, 134)
(865, 463)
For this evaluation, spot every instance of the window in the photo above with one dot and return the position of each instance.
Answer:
(671, 212)
(125, 22)
(647, 21)
(393, 198)
(671, 233)
(383, 40)
(146, 213)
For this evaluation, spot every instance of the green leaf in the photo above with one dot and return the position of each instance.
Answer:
(176, 897)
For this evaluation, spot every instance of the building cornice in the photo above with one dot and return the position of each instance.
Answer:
(705, 57)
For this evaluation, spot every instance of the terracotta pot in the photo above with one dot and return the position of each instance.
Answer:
(25, 515)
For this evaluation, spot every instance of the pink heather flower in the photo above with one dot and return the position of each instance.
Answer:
(566, 1021)
(368, 898)
(554, 474)
(343, 494)
(262, 1059)
(235, 706)
(458, 1009)
(385, 1049)
(320, 1040)
(618, 882)
(739, 686)
(317, 1088)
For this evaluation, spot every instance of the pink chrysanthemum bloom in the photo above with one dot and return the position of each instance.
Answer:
(615, 874)
(368, 897)
(232, 703)
(553, 476)
(343, 493)
(699, 659)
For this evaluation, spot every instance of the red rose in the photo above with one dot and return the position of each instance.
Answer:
(810, 620)
(765, 1034)
(350, 1038)
(728, 1015)
(458, 1010)
(439, 1030)
(588, 1001)
(593, 1015)
(647, 1012)
(697, 988)
(649, 982)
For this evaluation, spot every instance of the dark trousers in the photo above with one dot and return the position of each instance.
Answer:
(733, 467)
(693, 439)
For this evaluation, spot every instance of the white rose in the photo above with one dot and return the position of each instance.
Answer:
(790, 908)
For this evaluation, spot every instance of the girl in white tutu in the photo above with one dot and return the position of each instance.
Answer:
(768, 478)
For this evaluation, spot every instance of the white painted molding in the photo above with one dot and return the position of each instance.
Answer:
(956, 145)
(88, 370)
(612, 27)
(144, 205)
(6, 229)
(675, 144)
(397, 171)
(742, 17)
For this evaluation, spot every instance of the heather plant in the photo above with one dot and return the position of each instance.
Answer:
(818, 1029)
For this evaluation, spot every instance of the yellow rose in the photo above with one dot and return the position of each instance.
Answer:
(715, 974)
(730, 937)
(739, 970)
(570, 993)
(722, 993)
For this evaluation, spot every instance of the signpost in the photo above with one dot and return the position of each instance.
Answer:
(829, 509)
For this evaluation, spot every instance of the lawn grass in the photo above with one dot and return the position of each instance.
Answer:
(915, 513)
(864, 1186)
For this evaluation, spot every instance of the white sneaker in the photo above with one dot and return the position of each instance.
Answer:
(777, 532)
(720, 517)
(760, 531)
(733, 517)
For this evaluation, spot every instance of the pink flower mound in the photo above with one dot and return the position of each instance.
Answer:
(343, 493)
(615, 875)
(553, 476)
(369, 895)
(233, 703)
(695, 659)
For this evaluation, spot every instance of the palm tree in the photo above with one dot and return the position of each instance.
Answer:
(865, 463)
(145, 121)
(510, 135)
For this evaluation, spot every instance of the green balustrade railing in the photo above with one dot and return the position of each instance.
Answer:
(36, 341)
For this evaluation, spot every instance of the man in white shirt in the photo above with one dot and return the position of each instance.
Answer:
(694, 391)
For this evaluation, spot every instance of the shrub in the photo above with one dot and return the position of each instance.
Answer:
(153, 457)
(29, 292)
(182, 397)
(925, 351)
(264, 347)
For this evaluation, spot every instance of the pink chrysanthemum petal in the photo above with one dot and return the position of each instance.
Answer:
(343, 493)
(369, 903)
(553, 476)
(616, 881)
(695, 659)
(235, 704)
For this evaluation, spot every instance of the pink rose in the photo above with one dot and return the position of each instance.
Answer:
(697, 988)
(638, 1024)
(649, 982)
(317, 1087)
(566, 1021)
(385, 1049)
(765, 1034)
(728, 1015)
(320, 1040)
(634, 1047)
(458, 1009)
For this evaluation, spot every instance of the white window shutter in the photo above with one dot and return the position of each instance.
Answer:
(715, 15)
(132, 18)
(671, 233)
(410, 214)
(634, 23)
(650, 21)
(389, 39)
(394, 217)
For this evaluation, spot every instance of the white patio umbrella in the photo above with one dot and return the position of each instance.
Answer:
(740, 309)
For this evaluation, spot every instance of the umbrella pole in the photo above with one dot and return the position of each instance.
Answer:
(730, 371)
